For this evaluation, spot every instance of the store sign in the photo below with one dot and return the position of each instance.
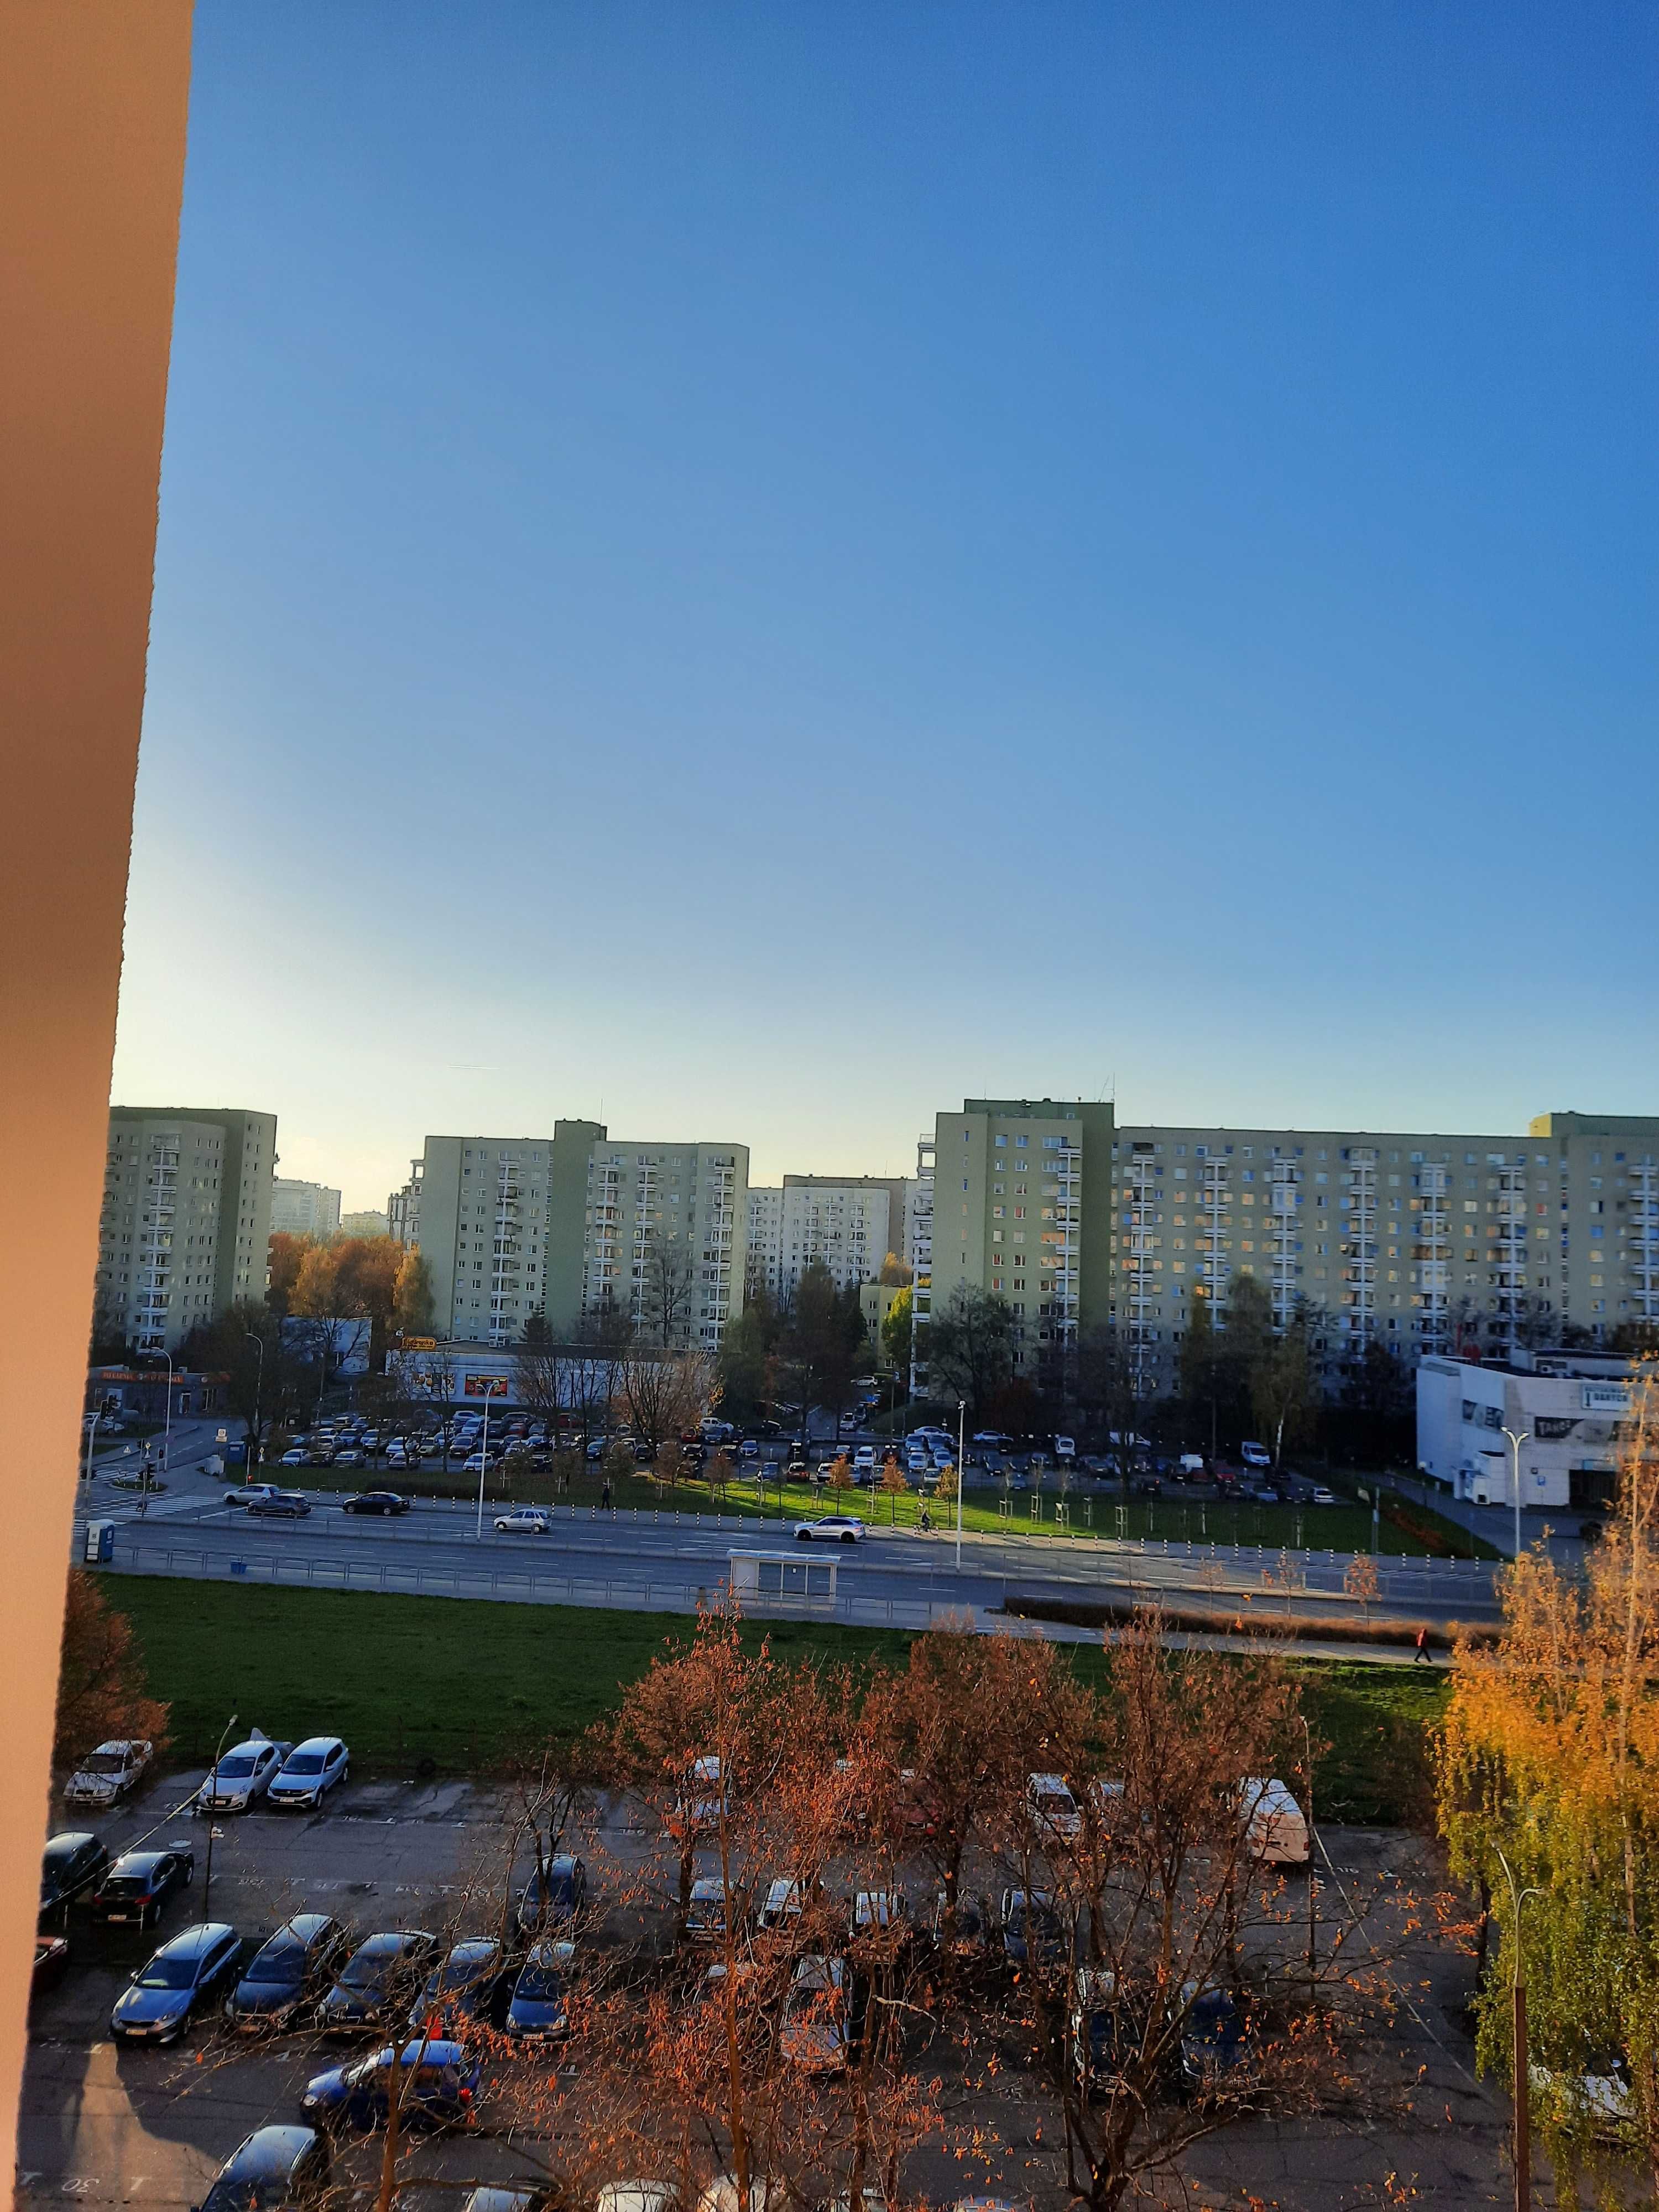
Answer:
(1605, 1397)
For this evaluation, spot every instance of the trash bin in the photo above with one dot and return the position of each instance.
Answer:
(100, 1543)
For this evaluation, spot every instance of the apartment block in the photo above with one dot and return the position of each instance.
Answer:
(666, 1230)
(369, 1222)
(1010, 1178)
(484, 1229)
(403, 1207)
(576, 1224)
(303, 1209)
(847, 1224)
(1425, 1242)
(185, 1219)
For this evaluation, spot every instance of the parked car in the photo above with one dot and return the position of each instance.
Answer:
(309, 1772)
(243, 1774)
(375, 1501)
(294, 1456)
(701, 1800)
(536, 2011)
(52, 1958)
(969, 1936)
(349, 1456)
(1276, 1828)
(277, 2169)
(875, 1913)
(175, 1984)
(1052, 1805)
(286, 1973)
(140, 1883)
(1321, 1496)
(73, 1863)
(554, 1895)
(1255, 1454)
(1032, 1934)
(831, 1528)
(706, 1915)
(817, 2030)
(783, 1905)
(468, 1991)
(378, 1981)
(479, 1463)
(109, 1772)
(281, 1505)
(1213, 2034)
(438, 2087)
(1102, 2034)
(525, 1521)
(864, 1463)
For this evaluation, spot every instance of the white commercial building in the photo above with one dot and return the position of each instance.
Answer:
(303, 1209)
(1553, 1414)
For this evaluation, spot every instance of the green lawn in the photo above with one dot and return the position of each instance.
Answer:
(1343, 1528)
(467, 1684)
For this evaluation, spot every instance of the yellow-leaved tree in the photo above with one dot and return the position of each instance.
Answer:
(1549, 1764)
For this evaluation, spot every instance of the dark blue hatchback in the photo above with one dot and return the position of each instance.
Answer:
(437, 2088)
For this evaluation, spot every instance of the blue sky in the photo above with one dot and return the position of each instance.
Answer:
(753, 570)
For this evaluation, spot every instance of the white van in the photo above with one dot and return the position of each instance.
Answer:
(1066, 1449)
(1276, 1828)
(1253, 1455)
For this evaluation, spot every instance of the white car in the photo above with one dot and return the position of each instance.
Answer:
(293, 1457)
(1322, 1497)
(309, 1772)
(243, 1774)
(833, 1529)
(525, 1521)
(481, 1462)
(1052, 1806)
(108, 1773)
(249, 1491)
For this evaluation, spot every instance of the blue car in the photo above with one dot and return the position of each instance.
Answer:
(438, 2088)
(276, 2170)
(184, 1975)
(537, 2008)
(1214, 2037)
(468, 1991)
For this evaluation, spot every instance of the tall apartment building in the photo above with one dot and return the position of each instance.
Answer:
(513, 1228)
(185, 1219)
(484, 1234)
(1010, 1178)
(369, 1222)
(303, 1209)
(848, 1223)
(665, 1231)
(1424, 1241)
(403, 1207)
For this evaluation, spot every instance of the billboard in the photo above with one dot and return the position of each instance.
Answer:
(483, 1386)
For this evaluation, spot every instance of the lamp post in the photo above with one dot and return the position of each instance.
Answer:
(962, 1442)
(213, 1772)
(1522, 2085)
(167, 1434)
(92, 1432)
(483, 1457)
(1517, 1437)
(258, 1344)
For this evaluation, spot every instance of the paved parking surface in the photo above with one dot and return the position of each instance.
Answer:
(114, 2126)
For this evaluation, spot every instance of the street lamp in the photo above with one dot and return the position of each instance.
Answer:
(258, 1344)
(962, 1458)
(1516, 1439)
(1522, 2085)
(213, 1771)
(92, 1432)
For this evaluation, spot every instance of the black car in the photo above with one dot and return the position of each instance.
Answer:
(469, 1989)
(140, 1883)
(281, 1506)
(275, 2169)
(375, 1501)
(74, 1862)
(553, 1896)
(537, 2010)
(160, 2001)
(1032, 1932)
(286, 1973)
(52, 1958)
(1214, 2037)
(378, 1981)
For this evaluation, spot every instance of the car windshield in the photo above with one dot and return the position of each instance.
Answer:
(460, 1970)
(305, 1762)
(541, 1980)
(168, 1974)
(282, 1959)
(249, 2193)
(371, 1962)
(234, 1770)
(102, 1762)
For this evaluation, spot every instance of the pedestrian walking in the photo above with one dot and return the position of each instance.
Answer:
(604, 1495)
(1422, 1655)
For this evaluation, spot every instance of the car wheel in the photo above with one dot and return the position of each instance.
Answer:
(847, 1537)
(803, 1535)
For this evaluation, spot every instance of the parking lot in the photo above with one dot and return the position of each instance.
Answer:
(110, 2125)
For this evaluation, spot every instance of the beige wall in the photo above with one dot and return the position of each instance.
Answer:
(92, 99)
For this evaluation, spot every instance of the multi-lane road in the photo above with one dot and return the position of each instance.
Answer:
(667, 1561)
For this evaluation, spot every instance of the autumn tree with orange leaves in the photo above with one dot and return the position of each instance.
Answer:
(101, 1694)
(1548, 1785)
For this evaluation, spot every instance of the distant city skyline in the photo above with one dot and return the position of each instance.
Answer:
(764, 572)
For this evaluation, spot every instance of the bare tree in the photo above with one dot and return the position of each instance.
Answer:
(663, 1392)
(666, 1293)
